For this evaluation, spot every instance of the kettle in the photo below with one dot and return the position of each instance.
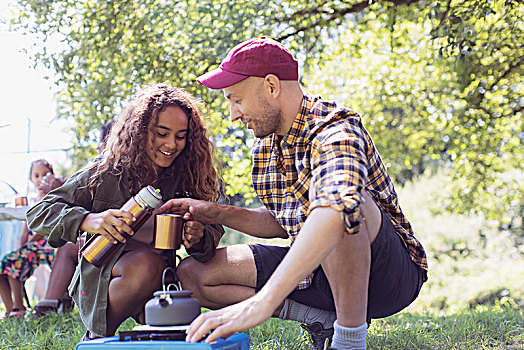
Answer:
(171, 307)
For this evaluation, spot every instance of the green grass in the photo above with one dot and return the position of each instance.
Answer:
(485, 327)
(474, 298)
(490, 327)
(469, 258)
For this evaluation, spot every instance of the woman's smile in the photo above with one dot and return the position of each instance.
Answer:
(167, 154)
(167, 139)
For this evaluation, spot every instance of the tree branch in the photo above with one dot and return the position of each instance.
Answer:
(331, 11)
(507, 72)
(518, 110)
(442, 17)
(332, 14)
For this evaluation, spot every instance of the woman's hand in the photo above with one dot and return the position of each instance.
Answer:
(106, 224)
(193, 233)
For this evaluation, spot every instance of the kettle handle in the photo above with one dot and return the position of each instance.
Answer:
(176, 282)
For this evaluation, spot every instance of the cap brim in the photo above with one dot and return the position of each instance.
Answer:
(219, 78)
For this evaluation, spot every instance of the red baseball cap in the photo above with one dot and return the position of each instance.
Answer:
(252, 58)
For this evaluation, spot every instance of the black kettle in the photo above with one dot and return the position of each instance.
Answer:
(171, 307)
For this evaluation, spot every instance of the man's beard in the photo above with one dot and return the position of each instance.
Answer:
(268, 120)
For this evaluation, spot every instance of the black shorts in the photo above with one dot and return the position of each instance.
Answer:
(395, 280)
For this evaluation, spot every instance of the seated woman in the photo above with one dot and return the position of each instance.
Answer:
(18, 266)
(159, 140)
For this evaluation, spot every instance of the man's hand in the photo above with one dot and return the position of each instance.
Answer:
(106, 224)
(192, 209)
(257, 222)
(224, 322)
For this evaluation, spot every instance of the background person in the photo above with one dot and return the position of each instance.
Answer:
(104, 132)
(159, 140)
(323, 184)
(19, 265)
(62, 270)
(64, 265)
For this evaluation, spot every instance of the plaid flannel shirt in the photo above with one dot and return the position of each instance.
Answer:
(327, 156)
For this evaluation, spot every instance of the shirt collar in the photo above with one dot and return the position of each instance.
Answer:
(298, 124)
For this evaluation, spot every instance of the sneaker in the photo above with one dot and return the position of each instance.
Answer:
(319, 335)
(88, 337)
(66, 304)
(45, 306)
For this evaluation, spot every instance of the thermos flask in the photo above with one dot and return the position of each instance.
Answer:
(101, 250)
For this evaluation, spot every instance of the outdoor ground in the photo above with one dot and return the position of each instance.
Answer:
(492, 327)
(472, 300)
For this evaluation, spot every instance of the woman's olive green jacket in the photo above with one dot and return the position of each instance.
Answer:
(60, 214)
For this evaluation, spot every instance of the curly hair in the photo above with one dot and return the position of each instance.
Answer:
(127, 141)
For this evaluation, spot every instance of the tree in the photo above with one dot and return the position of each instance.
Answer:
(438, 82)
(113, 47)
(442, 86)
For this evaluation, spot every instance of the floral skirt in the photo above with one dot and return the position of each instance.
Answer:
(20, 264)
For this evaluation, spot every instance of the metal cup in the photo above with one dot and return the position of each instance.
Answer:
(20, 201)
(168, 231)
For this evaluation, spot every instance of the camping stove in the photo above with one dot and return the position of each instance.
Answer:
(162, 340)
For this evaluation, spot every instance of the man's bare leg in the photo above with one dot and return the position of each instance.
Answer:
(347, 268)
(227, 279)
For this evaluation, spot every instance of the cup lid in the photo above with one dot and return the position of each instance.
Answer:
(150, 196)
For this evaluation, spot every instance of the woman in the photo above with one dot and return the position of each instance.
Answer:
(19, 265)
(159, 140)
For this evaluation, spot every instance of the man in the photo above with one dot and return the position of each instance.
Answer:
(324, 185)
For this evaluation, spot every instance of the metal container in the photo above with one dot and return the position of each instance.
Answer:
(171, 307)
(21, 201)
(168, 231)
(99, 250)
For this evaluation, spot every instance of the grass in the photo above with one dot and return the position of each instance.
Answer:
(492, 327)
(474, 298)
(485, 327)
(462, 251)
